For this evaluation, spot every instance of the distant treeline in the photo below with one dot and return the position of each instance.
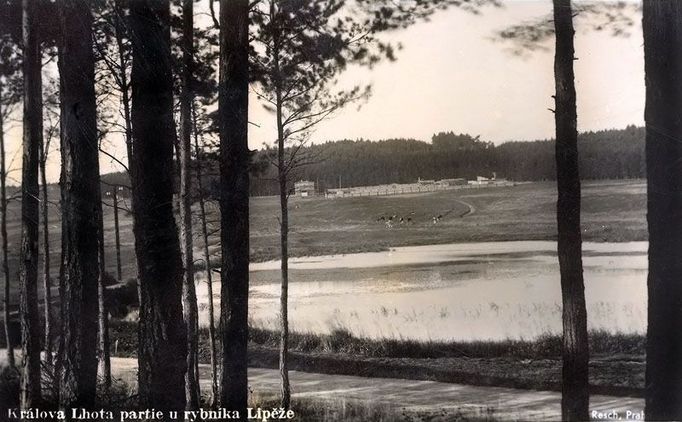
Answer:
(607, 154)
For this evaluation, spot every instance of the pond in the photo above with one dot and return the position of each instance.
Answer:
(472, 291)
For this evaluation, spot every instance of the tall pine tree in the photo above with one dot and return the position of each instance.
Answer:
(162, 341)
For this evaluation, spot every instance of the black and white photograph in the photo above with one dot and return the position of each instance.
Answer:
(340, 210)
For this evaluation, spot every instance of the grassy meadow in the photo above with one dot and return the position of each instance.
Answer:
(613, 211)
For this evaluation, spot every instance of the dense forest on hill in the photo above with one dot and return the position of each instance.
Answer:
(606, 154)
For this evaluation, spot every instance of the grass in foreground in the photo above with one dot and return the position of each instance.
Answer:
(547, 346)
(616, 366)
(340, 341)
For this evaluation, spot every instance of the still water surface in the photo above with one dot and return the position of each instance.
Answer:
(473, 291)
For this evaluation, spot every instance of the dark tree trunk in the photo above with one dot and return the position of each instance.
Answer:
(3, 232)
(117, 235)
(189, 295)
(234, 200)
(59, 340)
(47, 283)
(209, 274)
(162, 336)
(284, 295)
(575, 395)
(28, 263)
(80, 208)
(662, 25)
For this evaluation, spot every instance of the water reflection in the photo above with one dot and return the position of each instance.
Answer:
(492, 290)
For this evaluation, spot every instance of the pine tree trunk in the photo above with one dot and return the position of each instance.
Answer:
(284, 295)
(117, 235)
(189, 295)
(662, 25)
(47, 284)
(119, 30)
(9, 343)
(234, 200)
(215, 397)
(59, 341)
(162, 338)
(575, 394)
(103, 350)
(119, 33)
(80, 201)
(285, 388)
(28, 263)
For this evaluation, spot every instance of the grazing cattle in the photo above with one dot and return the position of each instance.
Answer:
(382, 218)
(409, 220)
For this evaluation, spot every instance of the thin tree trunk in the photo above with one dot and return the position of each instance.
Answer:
(209, 274)
(285, 387)
(234, 200)
(662, 25)
(9, 343)
(575, 394)
(119, 30)
(128, 130)
(117, 235)
(176, 178)
(162, 338)
(103, 349)
(60, 341)
(81, 209)
(47, 284)
(189, 295)
(28, 263)
(284, 314)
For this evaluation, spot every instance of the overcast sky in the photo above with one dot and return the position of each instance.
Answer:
(450, 75)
